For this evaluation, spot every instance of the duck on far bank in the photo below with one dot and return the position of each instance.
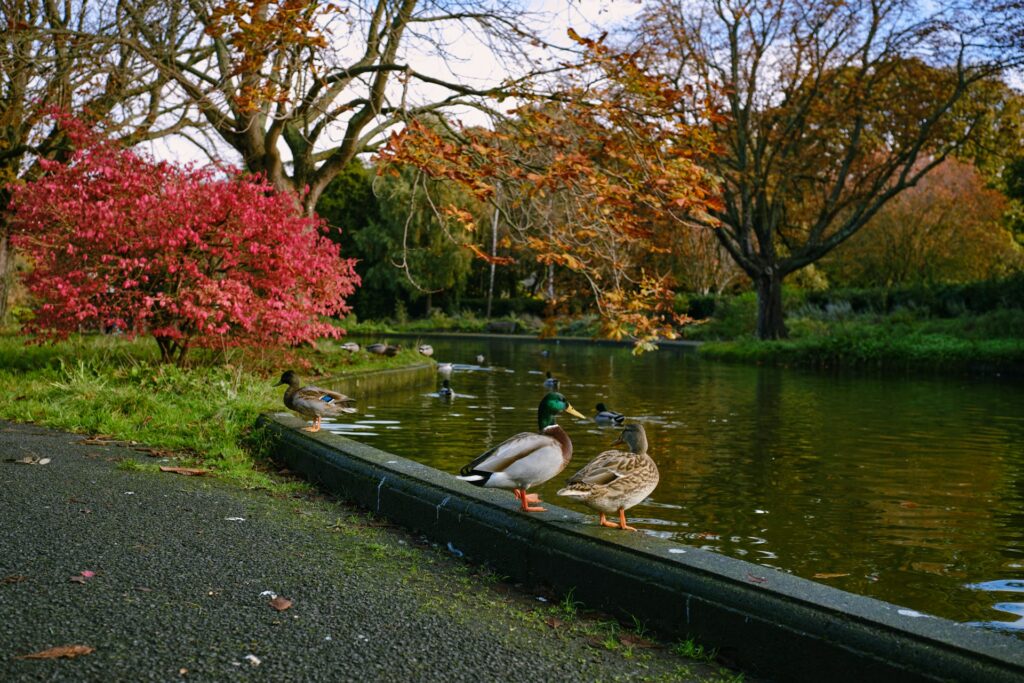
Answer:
(313, 402)
(550, 382)
(426, 350)
(479, 359)
(616, 480)
(526, 459)
(351, 347)
(608, 417)
(445, 369)
(383, 349)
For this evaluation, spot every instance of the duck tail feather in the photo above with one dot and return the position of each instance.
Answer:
(474, 477)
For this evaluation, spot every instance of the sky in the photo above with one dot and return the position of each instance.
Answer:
(472, 62)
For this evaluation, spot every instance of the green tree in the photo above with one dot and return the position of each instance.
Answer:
(408, 252)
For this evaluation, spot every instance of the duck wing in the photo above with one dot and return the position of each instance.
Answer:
(604, 469)
(317, 399)
(509, 452)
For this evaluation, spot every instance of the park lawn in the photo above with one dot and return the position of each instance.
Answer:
(988, 344)
(202, 414)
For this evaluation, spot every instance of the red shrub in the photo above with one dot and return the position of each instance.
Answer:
(117, 239)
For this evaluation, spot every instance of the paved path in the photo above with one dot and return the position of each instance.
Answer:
(180, 566)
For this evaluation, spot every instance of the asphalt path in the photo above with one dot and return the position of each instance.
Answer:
(163, 577)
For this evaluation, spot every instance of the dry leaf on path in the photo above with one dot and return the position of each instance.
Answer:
(633, 640)
(98, 440)
(30, 460)
(187, 471)
(69, 651)
(280, 604)
(14, 578)
(554, 622)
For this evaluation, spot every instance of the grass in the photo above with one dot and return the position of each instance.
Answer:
(991, 342)
(203, 413)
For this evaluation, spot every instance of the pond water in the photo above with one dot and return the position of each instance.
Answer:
(906, 489)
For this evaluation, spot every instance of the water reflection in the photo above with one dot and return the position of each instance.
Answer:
(905, 489)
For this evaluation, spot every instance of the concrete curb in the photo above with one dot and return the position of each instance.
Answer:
(667, 343)
(373, 382)
(765, 621)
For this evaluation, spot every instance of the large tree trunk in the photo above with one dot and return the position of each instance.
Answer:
(6, 270)
(770, 321)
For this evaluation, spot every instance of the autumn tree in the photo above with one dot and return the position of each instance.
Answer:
(947, 228)
(827, 111)
(120, 241)
(588, 179)
(70, 56)
(299, 88)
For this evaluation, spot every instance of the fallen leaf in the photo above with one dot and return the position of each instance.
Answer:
(280, 604)
(634, 640)
(30, 460)
(908, 504)
(82, 577)
(187, 471)
(829, 575)
(98, 440)
(14, 578)
(69, 651)
(554, 622)
(756, 579)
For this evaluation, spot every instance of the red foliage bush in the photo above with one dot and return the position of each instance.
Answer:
(193, 258)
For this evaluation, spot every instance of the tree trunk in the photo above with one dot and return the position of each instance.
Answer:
(770, 321)
(6, 270)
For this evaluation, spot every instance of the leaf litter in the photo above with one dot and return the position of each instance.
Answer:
(65, 651)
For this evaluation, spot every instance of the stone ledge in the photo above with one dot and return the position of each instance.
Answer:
(373, 382)
(767, 622)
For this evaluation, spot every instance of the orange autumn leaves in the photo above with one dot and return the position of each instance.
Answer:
(595, 178)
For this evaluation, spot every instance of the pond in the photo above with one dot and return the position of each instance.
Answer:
(906, 489)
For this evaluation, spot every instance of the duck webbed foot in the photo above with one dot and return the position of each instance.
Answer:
(622, 521)
(526, 498)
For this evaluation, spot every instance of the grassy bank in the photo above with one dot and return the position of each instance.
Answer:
(204, 413)
(837, 335)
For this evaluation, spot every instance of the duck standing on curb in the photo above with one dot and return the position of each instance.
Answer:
(526, 459)
(608, 417)
(313, 402)
(616, 480)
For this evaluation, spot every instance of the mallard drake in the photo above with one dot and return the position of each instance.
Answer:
(426, 350)
(313, 402)
(608, 417)
(351, 347)
(446, 390)
(526, 459)
(383, 349)
(549, 381)
(616, 480)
